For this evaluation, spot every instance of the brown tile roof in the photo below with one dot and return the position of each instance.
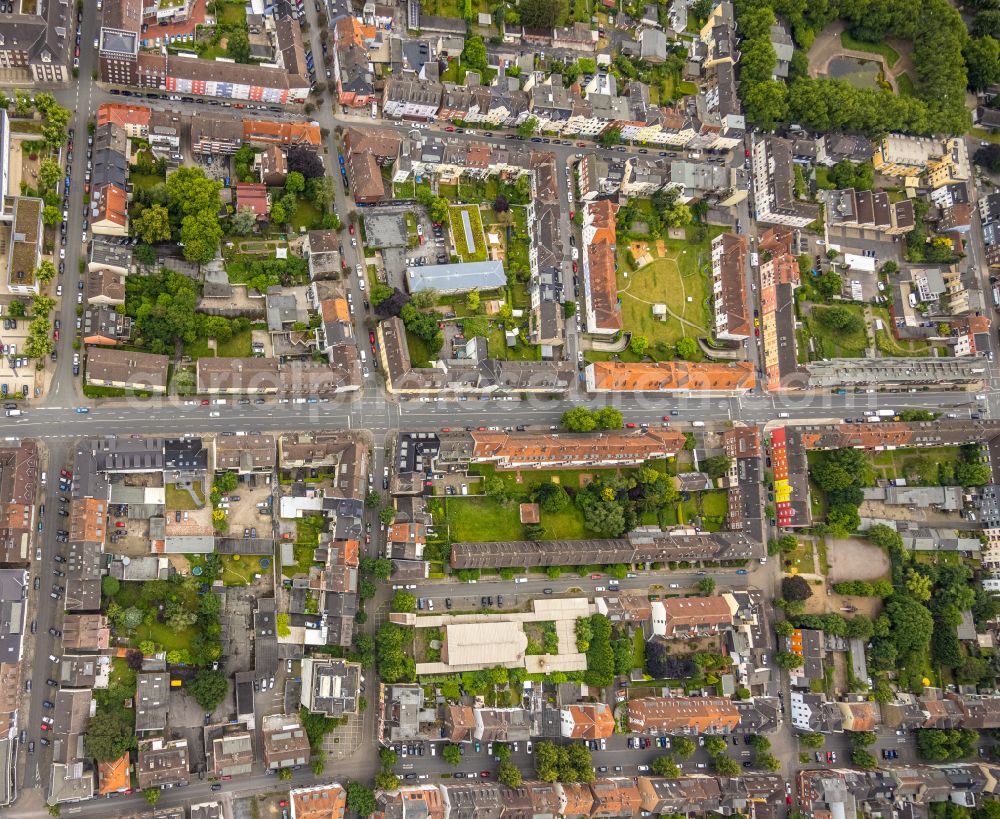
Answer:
(123, 115)
(615, 797)
(742, 442)
(253, 195)
(671, 714)
(604, 287)
(88, 520)
(684, 614)
(86, 632)
(529, 513)
(114, 776)
(672, 375)
(579, 800)
(540, 449)
(281, 133)
(107, 284)
(366, 178)
(335, 310)
(321, 802)
(731, 296)
(591, 720)
(111, 205)
(138, 370)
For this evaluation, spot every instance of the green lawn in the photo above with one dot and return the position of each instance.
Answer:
(833, 343)
(239, 346)
(906, 87)
(232, 13)
(181, 498)
(920, 465)
(482, 519)
(306, 215)
(890, 345)
(144, 181)
(420, 353)
(238, 570)
(882, 49)
(476, 253)
(307, 531)
(638, 649)
(164, 636)
(671, 280)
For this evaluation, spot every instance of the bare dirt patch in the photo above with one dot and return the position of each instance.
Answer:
(853, 559)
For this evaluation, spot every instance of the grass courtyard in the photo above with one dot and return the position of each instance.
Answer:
(476, 253)
(923, 466)
(882, 49)
(830, 343)
(676, 277)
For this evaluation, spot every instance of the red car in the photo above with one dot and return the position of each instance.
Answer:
(581, 144)
(283, 803)
(65, 473)
(666, 417)
(484, 774)
(574, 267)
(829, 756)
(630, 426)
(55, 334)
(119, 524)
(204, 402)
(482, 429)
(350, 229)
(45, 727)
(788, 800)
(450, 129)
(371, 336)
(756, 331)
(595, 577)
(572, 214)
(746, 152)
(446, 429)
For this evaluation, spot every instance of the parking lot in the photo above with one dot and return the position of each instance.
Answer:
(245, 514)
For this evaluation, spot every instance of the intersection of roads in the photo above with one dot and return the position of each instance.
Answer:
(56, 423)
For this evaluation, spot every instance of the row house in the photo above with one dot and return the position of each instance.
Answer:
(411, 99)
(352, 68)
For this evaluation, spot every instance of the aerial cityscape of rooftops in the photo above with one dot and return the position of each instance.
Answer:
(499, 409)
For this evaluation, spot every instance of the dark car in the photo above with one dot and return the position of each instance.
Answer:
(47, 704)
(217, 786)
(546, 591)
(55, 632)
(52, 682)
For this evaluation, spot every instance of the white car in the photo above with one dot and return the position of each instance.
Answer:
(58, 289)
(213, 414)
(62, 253)
(79, 298)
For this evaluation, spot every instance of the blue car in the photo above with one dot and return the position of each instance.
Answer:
(83, 410)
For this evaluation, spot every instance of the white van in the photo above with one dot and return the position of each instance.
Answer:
(697, 423)
(784, 415)
(363, 357)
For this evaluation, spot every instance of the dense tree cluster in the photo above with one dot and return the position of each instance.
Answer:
(584, 419)
(934, 745)
(939, 37)
(862, 588)
(841, 473)
(663, 665)
(563, 763)
(391, 655)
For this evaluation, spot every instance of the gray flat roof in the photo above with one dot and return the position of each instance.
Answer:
(456, 277)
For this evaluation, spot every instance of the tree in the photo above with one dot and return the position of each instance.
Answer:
(284, 774)
(208, 688)
(717, 466)
(639, 344)
(200, 234)
(608, 418)
(451, 754)
(360, 799)
(49, 173)
(509, 774)
(244, 221)
(863, 759)
(152, 795)
(706, 586)
(45, 272)
(386, 781)
(795, 588)
(725, 765)
(474, 53)
(387, 515)
(109, 735)
(527, 128)
(715, 745)
(152, 225)
(51, 216)
(110, 586)
(238, 45)
(918, 585)
(666, 767)
(813, 740)
(403, 602)
(988, 156)
(610, 137)
(687, 348)
(551, 497)
(579, 419)
(788, 660)
(783, 628)
(683, 746)
(494, 487)
(190, 192)
(145, 255)
(295, 183)
(767, 761)
(472, 301)
(540, 14)
(972, 474)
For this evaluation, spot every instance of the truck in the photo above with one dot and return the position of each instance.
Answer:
(886, 413)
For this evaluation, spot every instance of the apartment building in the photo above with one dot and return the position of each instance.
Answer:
(692, 617)
(729, 259)
(35, 41)
(735, 378)
(774, 185)
(600, 283)
(682, 715)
